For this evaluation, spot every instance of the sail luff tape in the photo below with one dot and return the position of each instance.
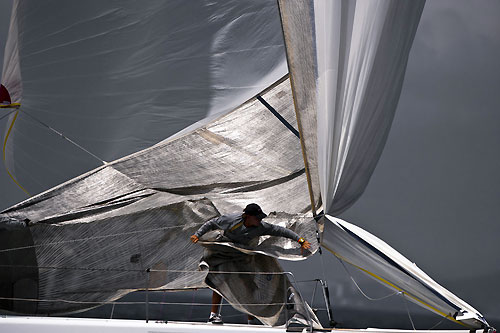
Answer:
(4, 160)
(447, 316)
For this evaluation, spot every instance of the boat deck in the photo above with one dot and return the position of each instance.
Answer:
(23, 324)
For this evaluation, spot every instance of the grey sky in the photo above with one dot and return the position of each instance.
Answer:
(435, 193)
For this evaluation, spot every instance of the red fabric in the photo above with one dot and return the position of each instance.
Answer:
(4, 95)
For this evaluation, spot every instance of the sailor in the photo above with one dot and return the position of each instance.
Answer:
(242, 228)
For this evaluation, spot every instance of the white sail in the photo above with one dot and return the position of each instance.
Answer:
(348, 88)
(119, 78)
(380, 261)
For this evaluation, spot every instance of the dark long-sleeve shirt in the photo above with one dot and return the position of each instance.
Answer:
(235, 230)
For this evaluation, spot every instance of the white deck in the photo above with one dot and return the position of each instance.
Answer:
(18, 324)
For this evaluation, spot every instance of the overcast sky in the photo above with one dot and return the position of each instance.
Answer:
(435, 194)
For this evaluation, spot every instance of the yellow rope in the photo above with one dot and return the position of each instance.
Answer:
(5, 145)
(10, 106)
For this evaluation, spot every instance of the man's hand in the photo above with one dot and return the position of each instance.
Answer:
(194, 239)
(304, 246)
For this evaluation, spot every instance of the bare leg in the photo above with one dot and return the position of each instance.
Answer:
(216, 298)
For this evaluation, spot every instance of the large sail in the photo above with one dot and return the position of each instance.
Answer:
(350, 81)
(352, 76)
(380, 261)
(137, 213)
(118, 78)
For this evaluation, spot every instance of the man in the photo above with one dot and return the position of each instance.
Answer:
(242, 228)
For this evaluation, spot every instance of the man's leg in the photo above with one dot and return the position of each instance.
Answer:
(252, 320)
(214, 314)
(216, 299)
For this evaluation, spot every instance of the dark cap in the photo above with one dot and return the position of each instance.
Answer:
(254, 210)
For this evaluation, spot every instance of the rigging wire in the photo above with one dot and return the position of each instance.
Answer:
(130, 302)
(408, 311)
(437, 324)
(384, 297)
(191, 308)
(76, 240)
(8, 114)
(65, 137)
(361, 291)
(143, 270)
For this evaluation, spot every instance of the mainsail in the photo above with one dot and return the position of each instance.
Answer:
(356, 56)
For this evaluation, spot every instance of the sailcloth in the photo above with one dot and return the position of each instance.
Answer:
(117, 78)
(347, 61)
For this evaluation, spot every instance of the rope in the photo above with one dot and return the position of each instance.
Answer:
(99, 237)
(436, 325)
(361, 291)
(143, 270)
(387, 296)
(8, 114)
(130, 302)
(191, 308)
(408, 311)
(64, 137)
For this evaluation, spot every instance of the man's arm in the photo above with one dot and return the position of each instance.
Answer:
(276, 230)
(216, 223)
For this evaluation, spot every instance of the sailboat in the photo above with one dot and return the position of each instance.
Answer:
(300, 150)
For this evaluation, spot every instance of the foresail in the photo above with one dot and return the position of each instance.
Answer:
(117, 78)
(380, 261)
(347, 62)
